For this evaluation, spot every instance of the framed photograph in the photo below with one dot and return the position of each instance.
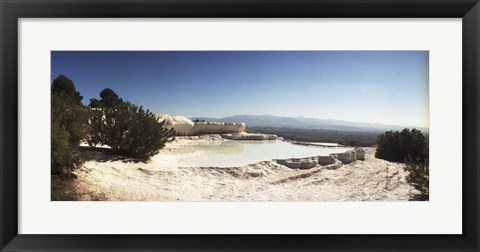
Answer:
(250, 126)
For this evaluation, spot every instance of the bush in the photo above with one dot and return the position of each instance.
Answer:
(400, 146)
(71, 117)
(418, 176)
(94, 103)
(62, 156)
(68, 125)
(129, 130)
(109, 99)
(63, 85)
(410, 147)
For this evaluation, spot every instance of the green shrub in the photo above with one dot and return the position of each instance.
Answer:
(400, 146)
(418, 176)
(94, 103)
(71, 117)
(63, 85)
(68, 125)
(109, 99)
(410, 147)
(129, 130)
(62, 155)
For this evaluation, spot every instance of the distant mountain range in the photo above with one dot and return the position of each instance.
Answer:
(306, 123)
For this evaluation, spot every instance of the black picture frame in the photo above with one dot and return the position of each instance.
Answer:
(12, 10)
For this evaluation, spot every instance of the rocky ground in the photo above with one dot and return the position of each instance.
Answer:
(335, 178)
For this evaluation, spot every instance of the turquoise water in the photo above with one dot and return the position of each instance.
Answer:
(240, 153)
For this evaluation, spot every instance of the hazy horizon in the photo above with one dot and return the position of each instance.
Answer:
(385, 87)
(196, 117)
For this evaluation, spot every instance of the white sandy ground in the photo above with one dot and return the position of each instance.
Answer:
(159, 180)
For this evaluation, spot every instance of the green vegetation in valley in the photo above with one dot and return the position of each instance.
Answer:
(349, 138)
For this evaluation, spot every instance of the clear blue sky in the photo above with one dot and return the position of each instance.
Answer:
(365, 86)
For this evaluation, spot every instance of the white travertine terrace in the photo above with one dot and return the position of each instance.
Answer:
(186, 127)
(181, 124)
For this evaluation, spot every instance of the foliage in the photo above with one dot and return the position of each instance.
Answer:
(94, 103)
(349, 138)
(129, 130)
(400, 146)
(68, 125)
(62, 153)
(64, 86)
(72, 118)
(410, 147)
(109, 99)
(418, 176)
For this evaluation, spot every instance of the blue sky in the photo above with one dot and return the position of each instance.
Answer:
(388, 87)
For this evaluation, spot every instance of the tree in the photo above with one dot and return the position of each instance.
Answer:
(71, 117)
(109, 98)
(62, 154)
(418, 175)
(94, 103)
(129, 130)
(68, 124)
(63, 85)
(410, 147)
(400, 146)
